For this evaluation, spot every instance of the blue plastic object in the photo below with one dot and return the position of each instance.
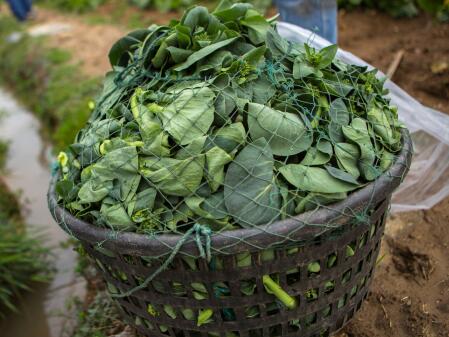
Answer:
(20, 8)
(319, 16)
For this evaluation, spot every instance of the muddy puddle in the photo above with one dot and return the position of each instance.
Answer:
(43, 312)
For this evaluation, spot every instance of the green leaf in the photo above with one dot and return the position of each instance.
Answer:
(285, 132)
(358, 133)
(228, 138)
(348, 157)
(204, 316)
(202, 53)
(327, 55)
(381, 125)
(120, 166)
(144, 200)
(115, 215)
(190, 115)
(255, 56)
(178, 54)
(319, 155)
(386, 160)
(111, 93)
(248, 288)
(263, 89)
(341, 175)
(174, 176)
(170, 311)
(65, 189)
(257, 28)
(119, 53)
(251, 196)
(212, 207)
(231, 13)
(314, 179)
(314, 200)
(314, 267)
(216, 159)
(338, 112)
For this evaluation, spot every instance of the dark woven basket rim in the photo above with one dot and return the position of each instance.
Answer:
(239, 240)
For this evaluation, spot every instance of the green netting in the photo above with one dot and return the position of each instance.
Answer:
(216, 120)
(215, 123)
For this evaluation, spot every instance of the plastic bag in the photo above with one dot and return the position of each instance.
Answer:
(428, 180)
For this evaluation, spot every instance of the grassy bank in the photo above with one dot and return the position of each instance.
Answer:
(23, 261)
(47, 82)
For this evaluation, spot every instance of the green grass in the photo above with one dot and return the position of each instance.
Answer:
(23, 261)
(3, 153)
(47, 83)
(77, 6)
(99, 319)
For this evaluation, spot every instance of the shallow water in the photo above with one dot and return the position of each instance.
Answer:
(28, 172)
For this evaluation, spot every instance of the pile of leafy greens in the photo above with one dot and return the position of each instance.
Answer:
(217, 120)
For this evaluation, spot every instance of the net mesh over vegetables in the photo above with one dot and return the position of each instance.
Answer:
(215, 132)
(216, 120)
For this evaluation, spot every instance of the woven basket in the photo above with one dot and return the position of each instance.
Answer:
(121, 264)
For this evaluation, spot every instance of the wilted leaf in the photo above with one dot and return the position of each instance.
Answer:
(285, 132)
(250, 193)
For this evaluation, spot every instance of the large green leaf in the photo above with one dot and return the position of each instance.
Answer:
(202, 53)
(228, 138)
(257, 28)
(381, 126)
(358, 133)
(251, 196)
(314, 179)
(115, 215)
(120, 51)
(338, 112)
(285, 132)
(216, 159)
(327, 55)
(212, 207)
(348, 156)
(119, 166)
(190, 115)
(174, 176)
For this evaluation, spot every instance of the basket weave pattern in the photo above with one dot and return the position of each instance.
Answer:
(327, 313)
(358, 222)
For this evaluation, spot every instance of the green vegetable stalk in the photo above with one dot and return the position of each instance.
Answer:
(275, 289)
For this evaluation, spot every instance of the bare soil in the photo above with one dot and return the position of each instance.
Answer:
(424, 70)
(410, 292)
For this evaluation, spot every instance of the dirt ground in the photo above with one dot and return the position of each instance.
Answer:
(410, 293)
(424, 70)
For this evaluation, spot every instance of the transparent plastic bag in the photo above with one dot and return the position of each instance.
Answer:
(428, 180)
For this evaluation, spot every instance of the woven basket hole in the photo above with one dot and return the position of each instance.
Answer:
(329, 287)
(310, 320)
(252, 312)
(341, 302)
(346, 277)
(326, 312)
(314, 269)
(272, 308)
(293, 276)
(311, 294)
(353, 291)
(248, 287)
(332, 260)
(227, 314)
